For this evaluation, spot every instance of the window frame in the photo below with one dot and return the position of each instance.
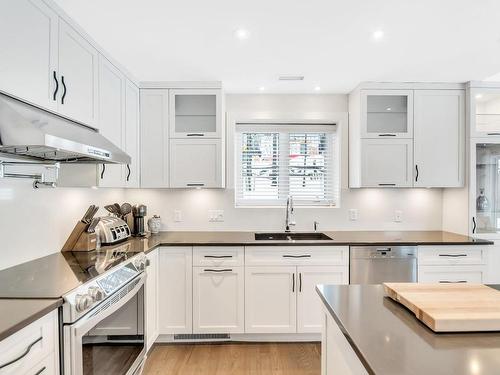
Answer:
(287, 128)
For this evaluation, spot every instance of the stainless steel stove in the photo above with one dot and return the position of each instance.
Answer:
(103, 322)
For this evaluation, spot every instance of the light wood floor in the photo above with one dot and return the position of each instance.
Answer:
(235, 359)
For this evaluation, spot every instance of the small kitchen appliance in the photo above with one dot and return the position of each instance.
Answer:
(112, 230)
(139, 211)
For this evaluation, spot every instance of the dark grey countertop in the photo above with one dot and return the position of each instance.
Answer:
(389, 340)
(18, 313)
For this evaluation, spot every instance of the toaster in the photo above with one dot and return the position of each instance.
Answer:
(112, 229)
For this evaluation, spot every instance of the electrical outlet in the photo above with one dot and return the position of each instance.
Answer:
(353, 214)
(177, 216)
(398, 216)
(216, 215)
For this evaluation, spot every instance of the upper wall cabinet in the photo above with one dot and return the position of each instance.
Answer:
(439, 143)
(154, 138)
(407, 135)
(78, 72)
(484, 111)
(386, 113)
(28, 53)
(195, 113)
(132, 135)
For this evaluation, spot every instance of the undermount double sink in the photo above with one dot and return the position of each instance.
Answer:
(291, 236)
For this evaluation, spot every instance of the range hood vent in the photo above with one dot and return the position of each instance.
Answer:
(31, 133)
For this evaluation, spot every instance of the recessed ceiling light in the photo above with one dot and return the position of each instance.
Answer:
(241, 34)
(479, 96)
(388, 109)
(317, 88)
(262, 88)
(378, 35)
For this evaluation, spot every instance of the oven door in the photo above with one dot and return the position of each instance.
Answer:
(110, 338)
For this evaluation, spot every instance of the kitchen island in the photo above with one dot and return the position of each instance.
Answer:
(367, 333)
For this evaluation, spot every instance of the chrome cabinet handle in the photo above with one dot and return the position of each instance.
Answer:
(64, 88)
(28, 349)
(416, 169)
(195, 135)
(300, 282)
(41, 370)
(103, 170)
(128, 174)
(493, 134)
(474, 225)
(57, 86)
(223, 270)
(453, 255)
(218, 256)
(387, 135)
(293, 282)
(297, 256)
(386, 184)
(452, 282)
(195, 184)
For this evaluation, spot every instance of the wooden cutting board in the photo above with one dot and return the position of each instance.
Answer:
(450, 307)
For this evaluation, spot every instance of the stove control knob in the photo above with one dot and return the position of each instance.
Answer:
(83, 302)
(95, 293)
(140, 263)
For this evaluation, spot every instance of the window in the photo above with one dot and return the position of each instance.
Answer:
(275, 161)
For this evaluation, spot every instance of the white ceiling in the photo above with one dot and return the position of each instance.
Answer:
(328, 41)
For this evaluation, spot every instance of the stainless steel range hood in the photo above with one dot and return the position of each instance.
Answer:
(32, 133)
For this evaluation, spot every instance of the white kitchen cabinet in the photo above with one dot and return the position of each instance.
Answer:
(175, 290)
(78, 77)
(154, 138)
(218, 300)
(111, 118)
(152, 299)
(38, 346)
(309, 305)
(195, 113)
(131, 173)
(28, 56)
(386, 113)
(218, 256)
(196, 163)
(270, 299)
(439, 143)
(484, 110)
(451, 274)
(386, 162)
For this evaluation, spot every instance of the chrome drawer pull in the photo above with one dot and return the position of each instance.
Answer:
(218, 256)
(453, 255)
(223, 270)
(28, 349)
(452, 282)
(41, 370)
(297, 256)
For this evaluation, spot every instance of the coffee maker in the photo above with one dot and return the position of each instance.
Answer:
(139, 211)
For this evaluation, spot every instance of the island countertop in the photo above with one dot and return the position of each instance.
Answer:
(389, 340)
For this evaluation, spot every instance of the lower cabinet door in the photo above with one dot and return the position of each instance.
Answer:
(309, 305)
(218, 300)
(451, 274)
(270, 299)
(175, 290)
(152, 299)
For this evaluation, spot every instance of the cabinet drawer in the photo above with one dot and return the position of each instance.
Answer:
(296, 255)
(31, 345)
(450, 255)
(213, 256)
(47, 366)
(451, 274)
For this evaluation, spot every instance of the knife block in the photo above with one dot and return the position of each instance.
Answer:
(86, 242)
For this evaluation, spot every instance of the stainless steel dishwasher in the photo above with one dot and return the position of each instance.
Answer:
(378, 264)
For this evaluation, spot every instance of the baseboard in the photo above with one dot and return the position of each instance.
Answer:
(243, 337)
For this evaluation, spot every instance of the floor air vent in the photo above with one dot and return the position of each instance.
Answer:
(203, 337)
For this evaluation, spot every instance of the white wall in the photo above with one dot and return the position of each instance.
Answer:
(35, 223)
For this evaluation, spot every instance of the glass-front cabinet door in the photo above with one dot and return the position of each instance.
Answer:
(485, 188)
(195, 113)
(485, 112)
(387, 113)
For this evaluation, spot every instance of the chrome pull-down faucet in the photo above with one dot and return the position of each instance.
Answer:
(289, 214)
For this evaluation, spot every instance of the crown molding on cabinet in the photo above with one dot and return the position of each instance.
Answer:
(180, 85)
